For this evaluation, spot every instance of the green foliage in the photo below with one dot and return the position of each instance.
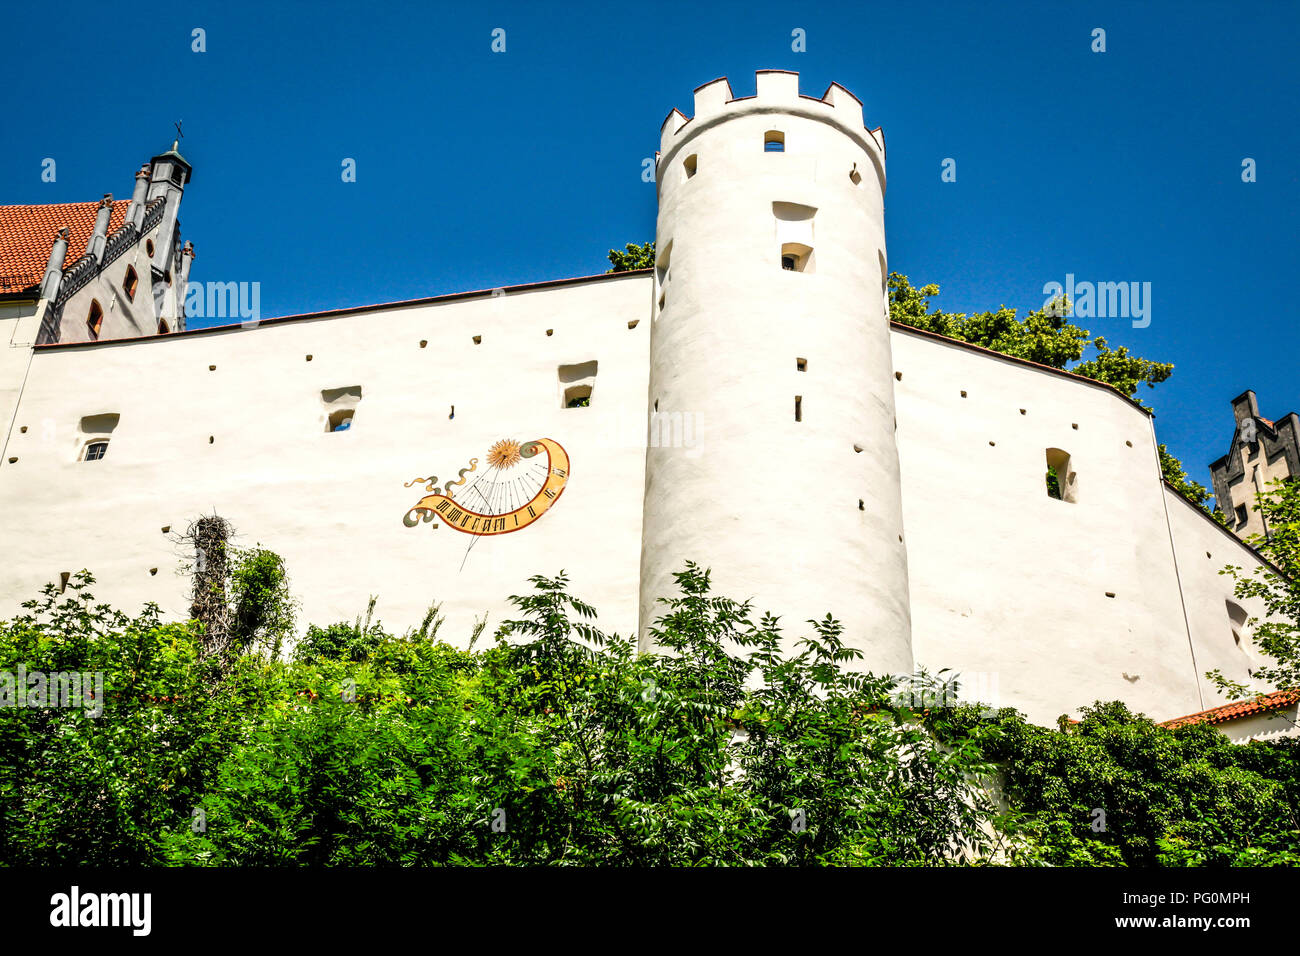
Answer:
(1053, 484)
(1277, 633)
(1118, 790)
(1043, 336)
(634, 257)
(262, 606)
(560, 744)
(80, 789)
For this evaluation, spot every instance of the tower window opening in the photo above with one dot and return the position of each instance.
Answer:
(148, 248)
(63, 581)
(95, 320)
(577, 382)
(774, 141)
(1236, 620)
(690, 163)
(163, 327)
(796, 257)
(855, 177)
(801, 364)
(97, 429)
(798, 408)
(130, 282)
(1061, 478)
(340, 407)
(1242, 515)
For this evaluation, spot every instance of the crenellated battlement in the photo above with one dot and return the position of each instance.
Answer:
(775, 91)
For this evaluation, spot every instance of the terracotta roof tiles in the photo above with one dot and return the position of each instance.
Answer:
(27, 235)
(1237, 709)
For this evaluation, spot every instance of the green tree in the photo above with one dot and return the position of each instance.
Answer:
(1116, 789)
(1277, 586)
(634, 257)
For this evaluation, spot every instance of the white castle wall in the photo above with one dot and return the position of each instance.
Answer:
(992, 578)
(332, 504)
(1010, 585)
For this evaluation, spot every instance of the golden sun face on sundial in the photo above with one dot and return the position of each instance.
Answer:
(504, 454)
(520, 484)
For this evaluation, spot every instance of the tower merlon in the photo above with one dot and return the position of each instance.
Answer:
(775, 91)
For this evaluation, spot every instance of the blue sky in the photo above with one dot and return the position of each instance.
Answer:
(478, 169)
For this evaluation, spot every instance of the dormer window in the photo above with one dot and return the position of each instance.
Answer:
(130, 283)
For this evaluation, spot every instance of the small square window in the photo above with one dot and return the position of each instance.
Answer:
(774, 141)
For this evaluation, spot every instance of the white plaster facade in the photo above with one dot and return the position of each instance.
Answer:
(909, 499)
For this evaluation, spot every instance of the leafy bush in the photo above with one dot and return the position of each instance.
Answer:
(561, 744)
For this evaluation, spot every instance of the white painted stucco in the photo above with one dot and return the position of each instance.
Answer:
(689, 449)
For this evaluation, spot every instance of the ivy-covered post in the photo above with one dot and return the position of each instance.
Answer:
(210, 606)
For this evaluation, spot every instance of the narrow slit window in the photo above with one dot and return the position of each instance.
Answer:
(130, 283)
(798, 408)
(801, 364)
(1062, 482)
(1236, 621)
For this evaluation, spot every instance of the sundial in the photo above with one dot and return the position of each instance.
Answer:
(520, 484)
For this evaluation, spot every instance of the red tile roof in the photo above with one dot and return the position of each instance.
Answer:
(27, 235)
(1237, 709)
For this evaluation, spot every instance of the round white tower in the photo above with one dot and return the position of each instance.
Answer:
(771, 452)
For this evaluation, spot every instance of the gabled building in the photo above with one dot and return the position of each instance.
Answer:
(1262, 451)
(110, 269)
